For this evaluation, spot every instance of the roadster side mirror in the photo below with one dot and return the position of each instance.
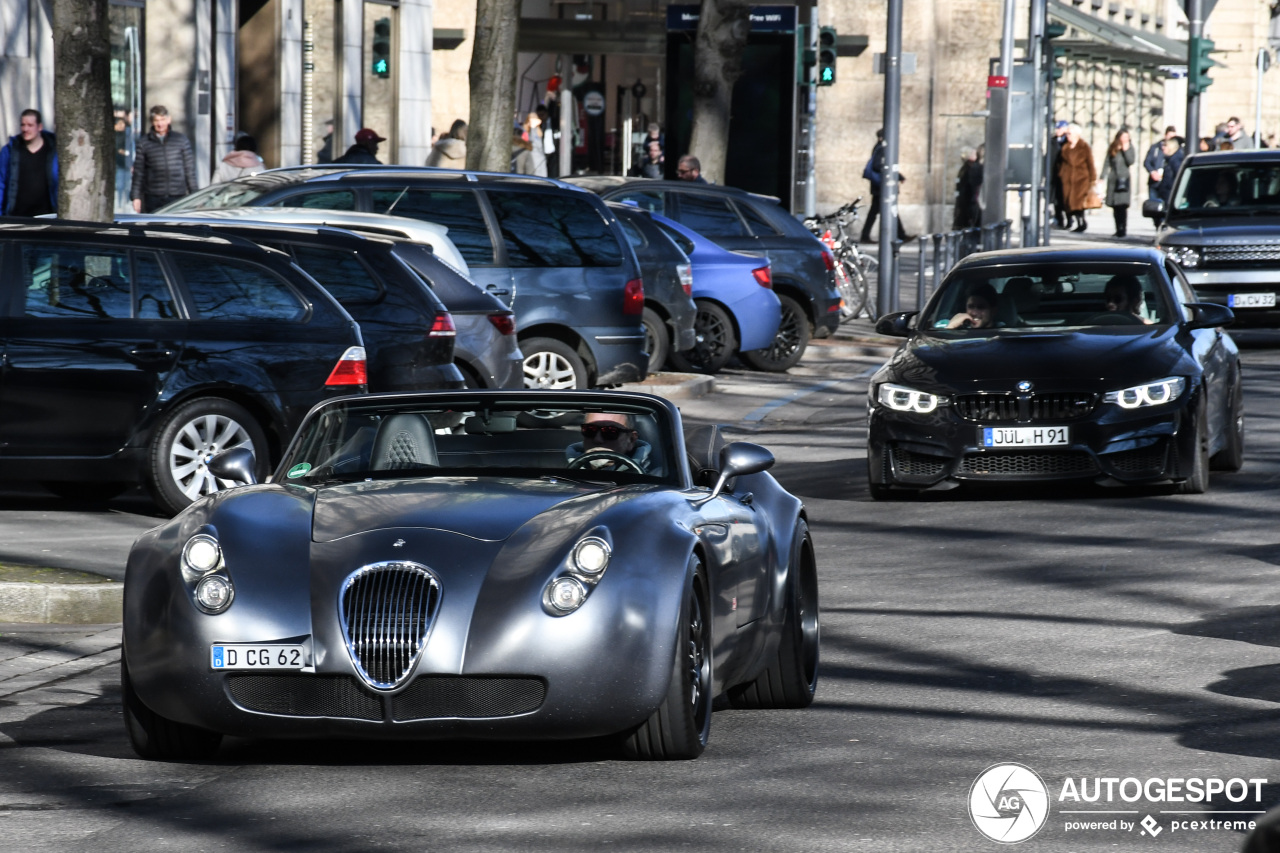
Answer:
(235, 464)
(897, 325)
(738, 459)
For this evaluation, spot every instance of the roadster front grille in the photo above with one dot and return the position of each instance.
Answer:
(305, 696)
(435, 696)
(386, 611)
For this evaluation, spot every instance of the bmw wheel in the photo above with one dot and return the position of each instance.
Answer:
(192, 434)
(716, 341)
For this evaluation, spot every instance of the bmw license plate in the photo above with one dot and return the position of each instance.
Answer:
(1024, 436)
(1251, 300)
(250, 656)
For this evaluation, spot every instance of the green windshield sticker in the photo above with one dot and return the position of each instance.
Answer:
(299, 470)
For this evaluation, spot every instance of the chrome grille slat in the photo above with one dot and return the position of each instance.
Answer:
(1242, 254)
(386, 611)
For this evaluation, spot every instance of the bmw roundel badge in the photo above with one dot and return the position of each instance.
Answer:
(1024, 386)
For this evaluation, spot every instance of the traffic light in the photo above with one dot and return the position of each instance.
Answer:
(1054, 30)
(380, 49)
(826, 56)
(1198, 64)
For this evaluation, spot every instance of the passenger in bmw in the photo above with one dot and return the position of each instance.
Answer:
(607, 436)
(979, 309)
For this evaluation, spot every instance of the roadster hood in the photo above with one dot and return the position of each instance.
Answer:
(489, 508)
(1093, 359)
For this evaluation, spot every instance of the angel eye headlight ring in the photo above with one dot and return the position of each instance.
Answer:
(903, 399)
(1156, 393)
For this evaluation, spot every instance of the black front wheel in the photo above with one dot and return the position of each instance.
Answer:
(681, 726)
(657, 340)
(158, 738)
(1197, 481)
(1231, 456)
(716, 341)
(794, 333)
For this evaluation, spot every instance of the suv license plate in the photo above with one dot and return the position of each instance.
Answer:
(1251, 300)
(250, 656)
(1024, 436)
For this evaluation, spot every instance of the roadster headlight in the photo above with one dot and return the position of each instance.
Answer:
(591, 556)
(1185, 256)
(1150, 394)
(903, 399)
(565, 594)
(214, 593)
(202, 554)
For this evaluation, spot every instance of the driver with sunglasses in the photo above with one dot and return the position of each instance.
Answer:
(605, 433)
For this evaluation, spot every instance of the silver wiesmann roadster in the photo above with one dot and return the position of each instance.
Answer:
(475, 565)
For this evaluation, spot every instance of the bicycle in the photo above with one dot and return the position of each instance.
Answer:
(854, 269)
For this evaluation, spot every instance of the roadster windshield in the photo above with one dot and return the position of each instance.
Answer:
(426, 436)
(983, 300)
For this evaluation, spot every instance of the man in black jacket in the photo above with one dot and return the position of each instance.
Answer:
(29, 170)
(164, 166)
(364, 150)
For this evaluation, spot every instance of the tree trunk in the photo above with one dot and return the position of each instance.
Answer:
(723, 26)
(82, 109)
(493, 85)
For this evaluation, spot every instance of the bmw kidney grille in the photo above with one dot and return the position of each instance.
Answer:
(386, 611)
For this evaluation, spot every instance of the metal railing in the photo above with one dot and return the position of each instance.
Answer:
(940, 252)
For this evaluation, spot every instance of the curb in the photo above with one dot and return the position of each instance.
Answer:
(675, 386)
(62, 603)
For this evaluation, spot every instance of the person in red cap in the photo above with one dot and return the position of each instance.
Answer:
(364, 150)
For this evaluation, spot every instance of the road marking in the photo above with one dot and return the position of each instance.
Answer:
(764, 411)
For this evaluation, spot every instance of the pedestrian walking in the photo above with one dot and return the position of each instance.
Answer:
(690, 169)
(364, 150)
(1173, 157)
(1153, 163)
(964, 205)
(534, 131)
(450, 150)
(873, 171)
(29, 169)
(1115, 171)
(1059, 203)
(1078, 174)
(1240, 141)
(243, 160)
(164, 166)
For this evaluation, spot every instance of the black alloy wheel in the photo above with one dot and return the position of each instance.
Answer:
(716, 341)
(794, 333)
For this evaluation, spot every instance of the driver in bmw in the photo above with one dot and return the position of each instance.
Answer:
(610, 432)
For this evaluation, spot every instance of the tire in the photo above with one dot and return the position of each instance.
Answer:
(791, 678)
(657, 339)
(185, 441)
(788, 347)
(157, 738)
(549, 363)
(679, 729)
(1231, 456)
(1197, 482)
(716, 344)
(86, 492)
(859, 285)
(871, 272)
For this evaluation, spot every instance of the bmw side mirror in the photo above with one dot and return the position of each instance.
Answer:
(738, 459)
(1207, 315)
(896, 325)
(236, 464)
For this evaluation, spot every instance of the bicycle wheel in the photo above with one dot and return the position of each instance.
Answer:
(849, 297)
(858, 286)
(870, 268)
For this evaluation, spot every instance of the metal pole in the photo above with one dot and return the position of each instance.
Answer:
(887, 287)
(565, 149)
(810, 120)
(1035, 38)
(1195, 30)
(1264, 60)
(995, 173)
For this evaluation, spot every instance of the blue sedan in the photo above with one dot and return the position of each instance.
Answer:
(737, 308)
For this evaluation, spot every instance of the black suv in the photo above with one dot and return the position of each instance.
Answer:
(133, 355)
(408, 332)
(803, 269)
(553, 252)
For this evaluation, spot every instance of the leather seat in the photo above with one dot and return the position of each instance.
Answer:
(403, 441)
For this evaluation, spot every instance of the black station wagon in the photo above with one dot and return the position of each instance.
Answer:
(132, 355)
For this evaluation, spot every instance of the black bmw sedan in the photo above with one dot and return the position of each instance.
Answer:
(1046, 364)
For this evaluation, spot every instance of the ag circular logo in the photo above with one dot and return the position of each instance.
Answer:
(1008, 803)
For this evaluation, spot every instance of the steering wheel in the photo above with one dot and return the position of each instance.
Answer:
(619, 460)
(1115, 318)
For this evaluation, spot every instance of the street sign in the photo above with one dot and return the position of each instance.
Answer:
(995, 81)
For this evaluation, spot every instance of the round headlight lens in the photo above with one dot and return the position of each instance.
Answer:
(214, 593)
(202, 553)
(591, 556)
(566, 594)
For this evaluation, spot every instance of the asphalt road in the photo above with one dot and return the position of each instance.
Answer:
(1084, 633)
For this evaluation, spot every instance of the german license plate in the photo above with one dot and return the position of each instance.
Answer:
(1024, 436)
(1251, 300)
(251, 656)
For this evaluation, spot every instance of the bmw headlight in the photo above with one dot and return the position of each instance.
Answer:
(903, 399)
(1149, 394)
(578, 574)
(1184, 256)
(205, 573)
